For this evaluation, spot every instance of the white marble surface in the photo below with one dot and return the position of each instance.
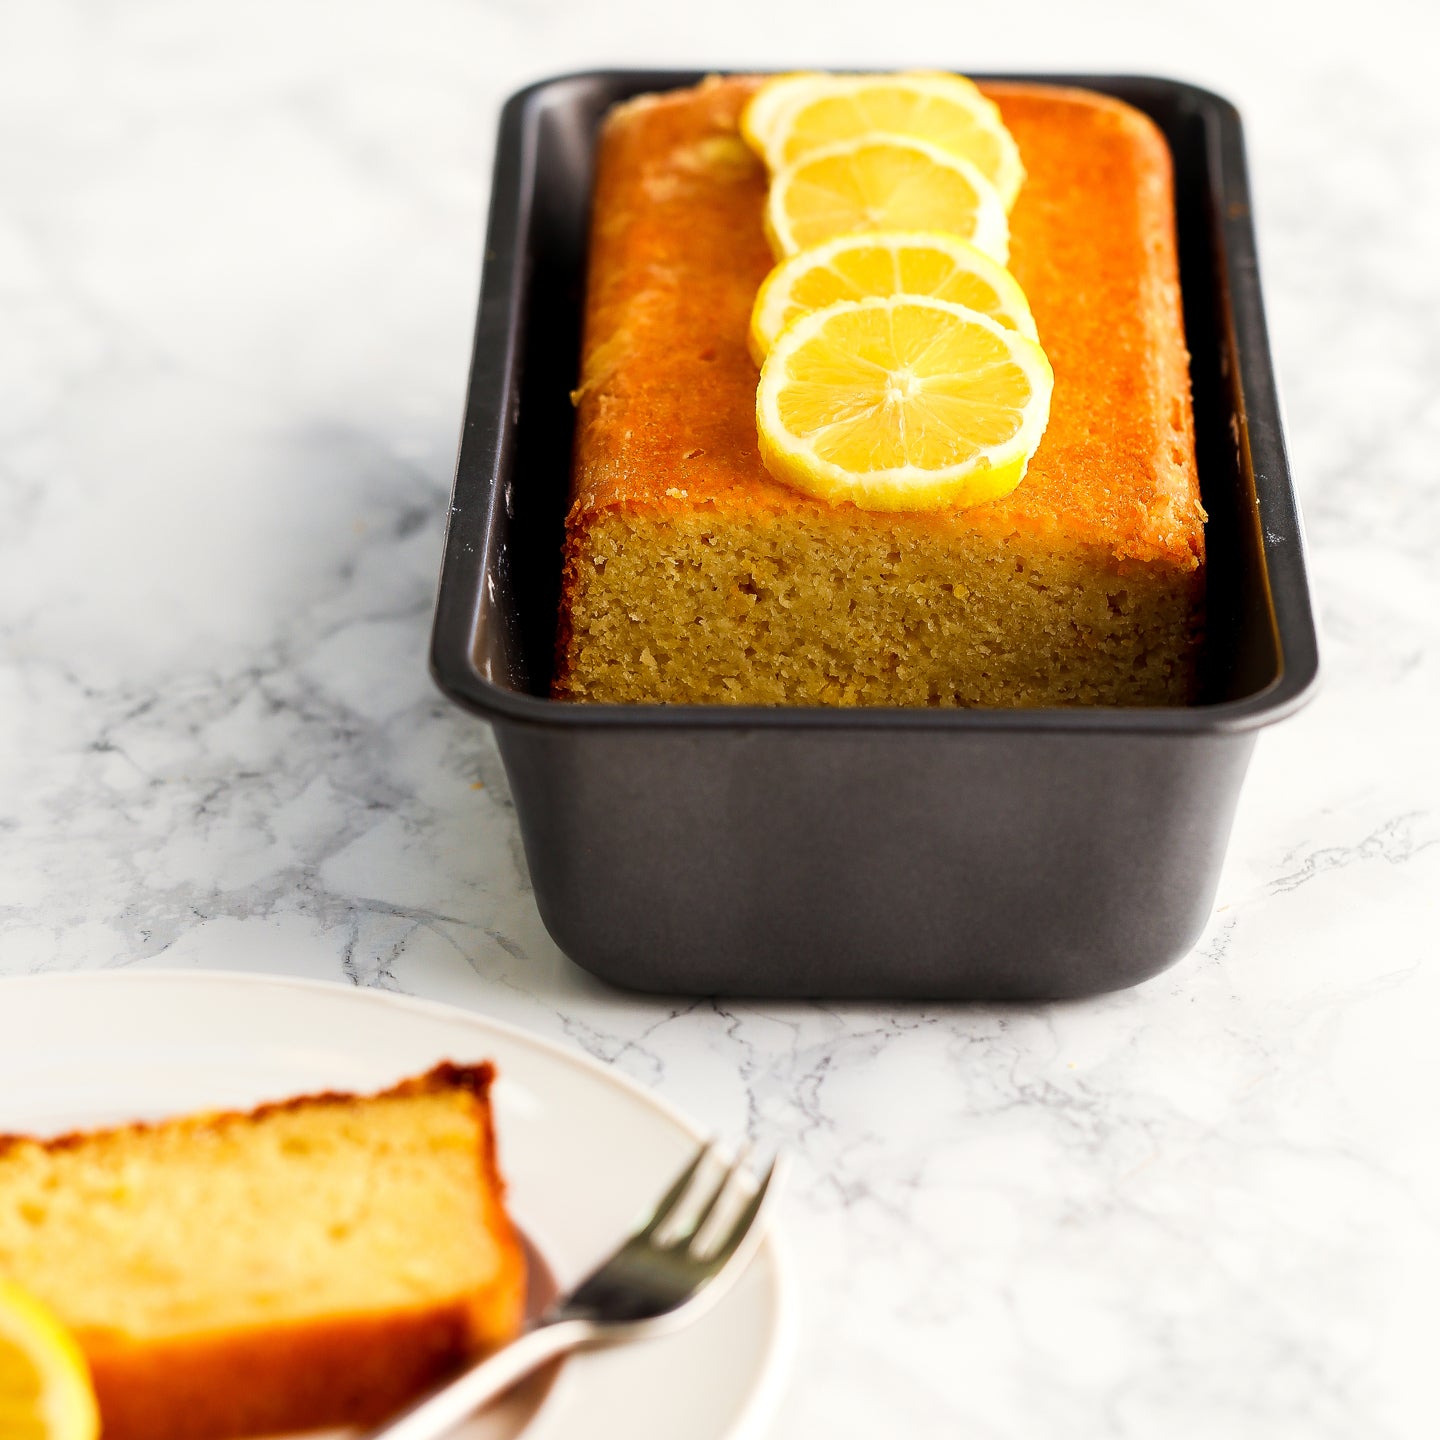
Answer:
(238, 260)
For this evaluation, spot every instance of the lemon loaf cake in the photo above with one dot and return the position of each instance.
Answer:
(691, 575)
(311, 1263)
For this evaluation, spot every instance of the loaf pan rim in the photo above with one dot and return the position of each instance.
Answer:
(451, 658)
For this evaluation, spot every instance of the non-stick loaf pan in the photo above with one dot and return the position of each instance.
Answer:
(882, 853)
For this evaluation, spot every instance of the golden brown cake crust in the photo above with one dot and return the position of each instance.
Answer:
(342, 1370)
(447, 1075)
(666, 409)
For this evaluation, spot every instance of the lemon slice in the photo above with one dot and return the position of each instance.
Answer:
(795, 114)
(883, 182)
(852, 267)
(902, 403)
(45, 1391)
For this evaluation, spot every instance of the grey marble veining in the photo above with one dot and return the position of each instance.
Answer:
(238, 260)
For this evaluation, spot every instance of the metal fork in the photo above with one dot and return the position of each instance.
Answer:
(660, 1279)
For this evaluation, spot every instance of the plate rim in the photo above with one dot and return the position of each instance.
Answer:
(762, 1404)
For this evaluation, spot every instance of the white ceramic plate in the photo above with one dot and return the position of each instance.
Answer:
(583, 1150)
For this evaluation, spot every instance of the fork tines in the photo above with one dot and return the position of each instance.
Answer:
(683, 1217)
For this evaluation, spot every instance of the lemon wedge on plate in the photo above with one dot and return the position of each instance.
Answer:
(854, 267)
(883, 182)
(793, 115)
(902, 403)
(45, 1391)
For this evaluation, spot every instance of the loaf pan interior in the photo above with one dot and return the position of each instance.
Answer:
(496, 618)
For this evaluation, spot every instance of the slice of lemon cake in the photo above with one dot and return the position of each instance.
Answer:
(693, 575)
(311, 1263)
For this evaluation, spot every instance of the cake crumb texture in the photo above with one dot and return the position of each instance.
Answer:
(690, 575)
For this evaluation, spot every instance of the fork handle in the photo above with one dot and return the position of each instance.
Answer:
(443, 1408)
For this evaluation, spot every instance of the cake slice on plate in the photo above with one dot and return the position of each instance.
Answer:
(314, 1262)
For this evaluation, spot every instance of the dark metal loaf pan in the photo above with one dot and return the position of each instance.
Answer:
(940, 854)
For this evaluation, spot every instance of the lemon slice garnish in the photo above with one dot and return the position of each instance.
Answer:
(793, 115)
(45, 1390)
(854, 267)
(902, 403)
(883, 182)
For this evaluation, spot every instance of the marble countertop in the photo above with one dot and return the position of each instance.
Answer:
(239, 254)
